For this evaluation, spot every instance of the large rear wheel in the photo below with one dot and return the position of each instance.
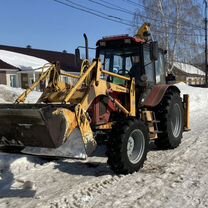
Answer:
(170, 114)
(128, 146)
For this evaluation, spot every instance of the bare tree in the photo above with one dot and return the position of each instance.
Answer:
(176, 24)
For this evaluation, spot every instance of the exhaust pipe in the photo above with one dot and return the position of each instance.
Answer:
(86, 46)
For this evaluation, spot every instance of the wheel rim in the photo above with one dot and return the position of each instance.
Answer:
(176, 120)
(135, 146)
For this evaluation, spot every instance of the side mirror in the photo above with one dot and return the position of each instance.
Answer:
(170, 79)
(154, 51)
(77, 56)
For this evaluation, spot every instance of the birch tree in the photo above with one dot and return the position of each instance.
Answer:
(176, 24)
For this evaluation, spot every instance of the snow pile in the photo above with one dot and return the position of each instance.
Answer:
(21, 61)
(16, 164)
(188, 68)
(9, 94)
(198, 96)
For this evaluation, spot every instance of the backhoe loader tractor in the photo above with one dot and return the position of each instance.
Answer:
(122, 96)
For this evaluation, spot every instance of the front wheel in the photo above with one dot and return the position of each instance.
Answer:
(128, 146)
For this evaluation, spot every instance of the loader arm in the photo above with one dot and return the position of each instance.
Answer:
(43, 77)
(96, 88)
(62, 108)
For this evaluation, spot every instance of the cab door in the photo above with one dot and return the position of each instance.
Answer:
(160, 68)
(149, 66)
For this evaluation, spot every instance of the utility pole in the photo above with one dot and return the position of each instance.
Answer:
(205, 21)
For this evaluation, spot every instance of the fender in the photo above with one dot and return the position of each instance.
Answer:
(157, 93)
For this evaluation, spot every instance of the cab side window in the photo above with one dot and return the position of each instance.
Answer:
(160, 69)
(149, 66)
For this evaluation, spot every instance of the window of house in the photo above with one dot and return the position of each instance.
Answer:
(13, 80)
(31, 81)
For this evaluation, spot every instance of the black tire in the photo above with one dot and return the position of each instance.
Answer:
(171, 121)
(128, 146)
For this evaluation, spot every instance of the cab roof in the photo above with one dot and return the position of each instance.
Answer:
(119, 38)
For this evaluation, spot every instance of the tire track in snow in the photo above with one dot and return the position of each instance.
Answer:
(88, 192)
(158, 159)
(173, 178)
(156, 166)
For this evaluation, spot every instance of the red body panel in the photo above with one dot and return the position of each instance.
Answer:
(157, 94)
(102, 107)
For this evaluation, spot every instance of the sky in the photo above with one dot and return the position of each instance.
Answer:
(49, 25)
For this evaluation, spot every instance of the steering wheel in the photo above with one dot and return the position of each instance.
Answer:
(123, 72)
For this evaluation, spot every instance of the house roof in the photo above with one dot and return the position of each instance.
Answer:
(67, 60)
(4, 65)
(188, 69)
(22, 61)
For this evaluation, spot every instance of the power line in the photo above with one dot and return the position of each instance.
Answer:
(93, 13)
(141, 5)
(179, 34)
(120, 9)
(109, 17)
(99, 12)
(113, 6)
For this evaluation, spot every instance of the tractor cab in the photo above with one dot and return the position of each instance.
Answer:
(133, 57)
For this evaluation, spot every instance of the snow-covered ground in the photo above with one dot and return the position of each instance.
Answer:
(172, 178)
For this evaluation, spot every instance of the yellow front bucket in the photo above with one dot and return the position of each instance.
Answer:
(46, 130)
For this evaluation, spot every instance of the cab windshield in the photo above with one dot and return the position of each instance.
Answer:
(118, 61)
